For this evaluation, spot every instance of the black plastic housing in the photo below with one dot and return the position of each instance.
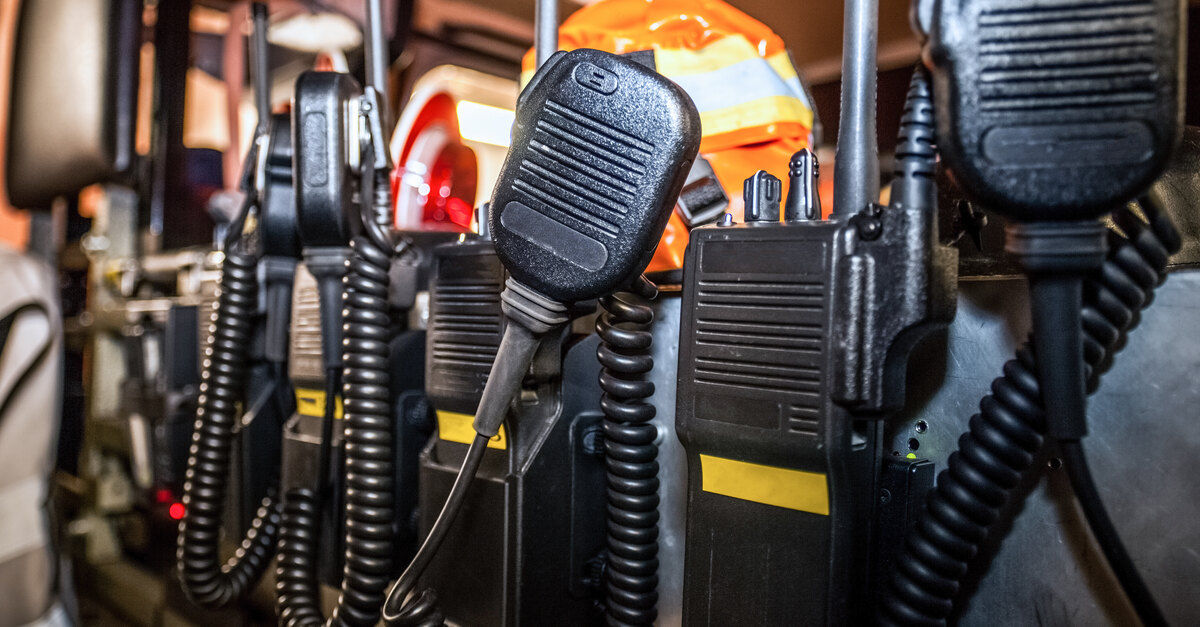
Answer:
(1056, 111)
(465, 323)
(324, 181)
(601, 148)
(904, 485)
(280, 235)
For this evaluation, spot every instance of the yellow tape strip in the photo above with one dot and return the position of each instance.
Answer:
(312, 403)
(761, 112)
(456, 427)
(770, 485)
(782, 64)
(721, 53)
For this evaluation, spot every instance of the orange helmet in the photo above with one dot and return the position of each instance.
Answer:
(754, 110)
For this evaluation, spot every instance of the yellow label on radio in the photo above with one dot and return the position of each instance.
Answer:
(456, 427)
(312, 403)
(770, 485)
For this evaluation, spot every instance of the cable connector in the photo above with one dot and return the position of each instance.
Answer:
(1057, 256)
(329, 266)
(531, 316)
(531, 309)
(1057, 247)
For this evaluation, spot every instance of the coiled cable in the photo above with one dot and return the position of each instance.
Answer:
(297, 592)
(630, 454)
(1008, 430)
(369, 474)
(206, 580)
(370, 493)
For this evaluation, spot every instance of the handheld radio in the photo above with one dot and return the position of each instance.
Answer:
(601, 148)
(795, 337)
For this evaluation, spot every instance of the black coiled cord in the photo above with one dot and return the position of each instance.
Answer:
(1007, 432)
(206, 580)
(630, 453)
(297, 593)
(369, 474)
(369, 478)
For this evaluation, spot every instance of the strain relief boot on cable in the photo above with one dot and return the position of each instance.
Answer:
(531, 316)
(276, 275)
(1057, 256)
(329, 265)
(531, 309)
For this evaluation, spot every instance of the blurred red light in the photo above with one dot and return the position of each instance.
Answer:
(176, 511)
(163, 495)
